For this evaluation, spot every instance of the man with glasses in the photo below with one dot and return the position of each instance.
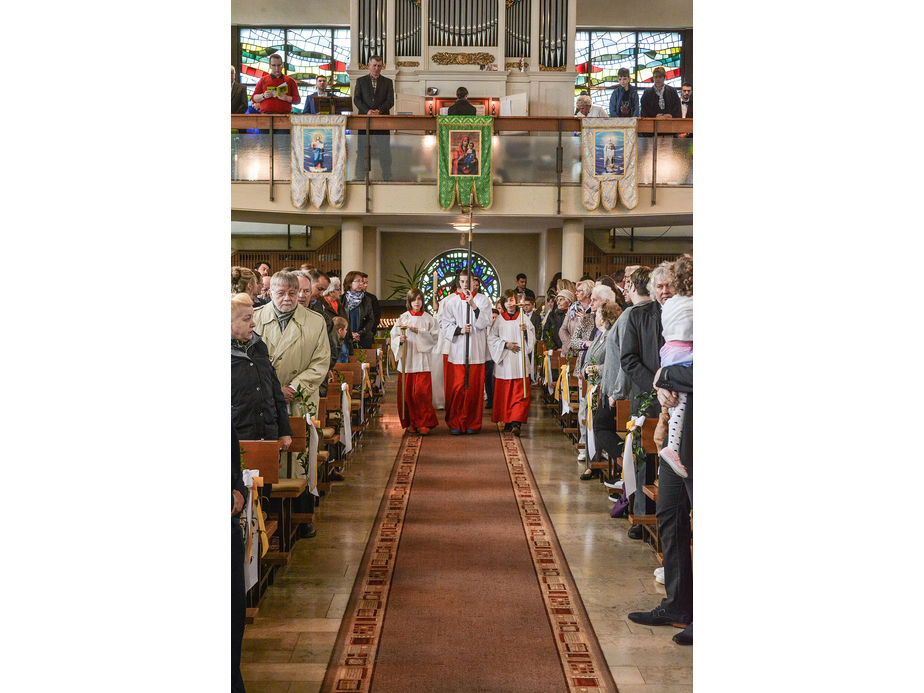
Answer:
(299, 350)
(275, 92)
(374, 95)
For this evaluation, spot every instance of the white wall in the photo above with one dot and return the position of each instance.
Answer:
(632, 14)
(290, 13)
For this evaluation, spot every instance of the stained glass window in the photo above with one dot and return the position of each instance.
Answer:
(307, 53)
(447, 265)
(600, 54)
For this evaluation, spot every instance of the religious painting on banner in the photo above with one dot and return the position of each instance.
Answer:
(464, 159)
(318, 159)
(609, 158)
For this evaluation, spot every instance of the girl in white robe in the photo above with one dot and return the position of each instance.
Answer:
(418, 415)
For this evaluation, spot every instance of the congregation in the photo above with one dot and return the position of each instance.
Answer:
(626, 337)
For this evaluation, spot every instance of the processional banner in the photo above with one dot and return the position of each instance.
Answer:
(464, 159)
(318, 156)
(609, 160)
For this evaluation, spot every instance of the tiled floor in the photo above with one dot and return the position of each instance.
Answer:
(287, 649)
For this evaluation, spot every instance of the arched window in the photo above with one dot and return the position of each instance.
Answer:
(447, 265)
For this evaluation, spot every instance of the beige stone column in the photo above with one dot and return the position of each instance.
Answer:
(351, 246)
(572, 249)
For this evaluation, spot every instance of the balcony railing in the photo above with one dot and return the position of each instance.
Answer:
(525, 150)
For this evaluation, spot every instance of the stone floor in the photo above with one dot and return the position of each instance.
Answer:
(287, 649)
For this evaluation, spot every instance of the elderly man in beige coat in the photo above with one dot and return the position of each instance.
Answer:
(296, 338)
(299, 351)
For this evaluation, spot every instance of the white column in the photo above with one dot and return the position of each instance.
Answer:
(544, 276)
(572, 249)
(354, 37)
(533, 36)
(501, 33)
(572, 30)
(351, 246)
(390, 56)
(424, 33)
(379, 283)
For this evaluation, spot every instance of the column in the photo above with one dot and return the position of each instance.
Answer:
(533, 36)
(391, 58)
(351, 246)
(572, 249)
(500, 55)
(369, 263)
(354, 37)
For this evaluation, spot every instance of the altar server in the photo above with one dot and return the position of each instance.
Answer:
(465, 312)
(507, 338)
(420, 337)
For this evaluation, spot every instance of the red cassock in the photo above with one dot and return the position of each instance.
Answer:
(509, 402)
(464, 407)
(419, 401)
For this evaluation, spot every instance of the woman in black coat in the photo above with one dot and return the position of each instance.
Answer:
(258, 409)
(360, 309)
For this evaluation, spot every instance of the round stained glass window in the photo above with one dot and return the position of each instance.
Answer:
(444, 268)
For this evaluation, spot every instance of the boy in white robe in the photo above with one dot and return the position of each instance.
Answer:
(418, 415)
(508, 336)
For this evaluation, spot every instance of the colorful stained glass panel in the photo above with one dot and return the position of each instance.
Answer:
(447, 265)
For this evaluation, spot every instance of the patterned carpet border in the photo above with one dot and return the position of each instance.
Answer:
(352, 661)
(582, 659)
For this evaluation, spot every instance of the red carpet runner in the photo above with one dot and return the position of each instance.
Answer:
(463, 585)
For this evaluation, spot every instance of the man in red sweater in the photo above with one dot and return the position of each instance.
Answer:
(275, 92)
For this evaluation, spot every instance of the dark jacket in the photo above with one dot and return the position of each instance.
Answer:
(617, 97)
(461, 107)
(640, 351)
(384, 98)
(650, 102)
(258, 409)
(237, 480)
(368, 321)
(552, 325)
(689, 107)
(318, 307)
(238, 98)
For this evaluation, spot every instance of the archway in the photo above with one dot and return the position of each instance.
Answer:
(447, 265)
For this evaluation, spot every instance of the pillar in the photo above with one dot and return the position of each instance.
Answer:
(351, 246)
(370, 261)
(572, 249)
(391, 59)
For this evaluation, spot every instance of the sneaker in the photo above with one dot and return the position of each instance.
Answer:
(659, 575)
(614, 497)
(508, 427)
(471, 431)
(673, 461)
(307, 530)
(455, 432)
(516, 428)
(617, 485)
(582, 456)
(658, 617)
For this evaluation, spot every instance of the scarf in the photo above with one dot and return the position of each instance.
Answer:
(354, 298)
(660, 96)
(283, 318)
(239, 345)
(577, 309)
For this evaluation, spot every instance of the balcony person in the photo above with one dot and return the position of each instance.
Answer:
(275, 92)
(462, 105)
(321, 89)
(660, 100)
(374, 95)
(624, 100)
(586, 108)
(238, 94)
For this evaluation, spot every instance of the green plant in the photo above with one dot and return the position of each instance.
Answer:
(360, 355)
(402, 282)
(645, 400)
(304, 399)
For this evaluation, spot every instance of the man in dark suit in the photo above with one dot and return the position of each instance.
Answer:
(686, 105)
(238, 94)
(461, 106)
(374, 95)
(660, 100)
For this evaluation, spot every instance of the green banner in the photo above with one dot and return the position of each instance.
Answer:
(465, 159)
